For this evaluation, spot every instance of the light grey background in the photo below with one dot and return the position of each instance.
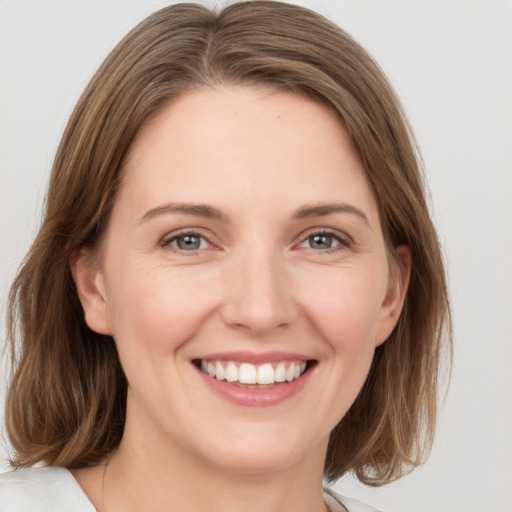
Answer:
(451, 61)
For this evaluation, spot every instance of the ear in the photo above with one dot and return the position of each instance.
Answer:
(393, 303)
(90, 286)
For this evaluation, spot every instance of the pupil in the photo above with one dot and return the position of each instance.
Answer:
(189, 242)
(321, 241)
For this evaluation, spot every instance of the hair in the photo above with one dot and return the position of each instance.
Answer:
(66, 402)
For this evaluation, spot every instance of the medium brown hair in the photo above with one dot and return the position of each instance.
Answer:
(67, 397)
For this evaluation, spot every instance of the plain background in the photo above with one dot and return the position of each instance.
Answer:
(451, 62)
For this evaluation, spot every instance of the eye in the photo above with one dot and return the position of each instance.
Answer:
(323, 241)
(187, 242)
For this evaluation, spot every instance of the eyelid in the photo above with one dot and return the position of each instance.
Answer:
(166, 240)
(326, 231)
(345, 241)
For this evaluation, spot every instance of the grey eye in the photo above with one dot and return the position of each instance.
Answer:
(188, 242)
(321, 241)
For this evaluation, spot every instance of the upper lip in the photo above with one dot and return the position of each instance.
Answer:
(254, 357)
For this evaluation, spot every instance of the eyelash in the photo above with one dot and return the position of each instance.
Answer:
(343, 242)
(167, 241)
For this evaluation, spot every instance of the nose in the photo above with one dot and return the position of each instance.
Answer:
(259, 295)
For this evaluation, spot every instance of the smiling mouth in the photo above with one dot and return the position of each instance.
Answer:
(254, 375)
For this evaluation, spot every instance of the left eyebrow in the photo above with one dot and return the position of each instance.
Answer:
(322, 210)
(197, 210)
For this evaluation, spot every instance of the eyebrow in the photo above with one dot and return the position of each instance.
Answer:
(322, 210)
(209, 212)
(198, 210)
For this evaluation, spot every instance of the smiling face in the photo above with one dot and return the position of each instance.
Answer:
(244, 278)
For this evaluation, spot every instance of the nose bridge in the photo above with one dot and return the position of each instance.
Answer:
(260, 298)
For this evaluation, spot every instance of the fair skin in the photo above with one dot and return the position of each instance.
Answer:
(244, 234)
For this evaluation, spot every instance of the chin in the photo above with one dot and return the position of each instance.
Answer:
(260, 453)
(257, 462)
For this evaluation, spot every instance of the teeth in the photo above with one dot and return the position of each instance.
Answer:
(266, 374)
(220, 373)
(280, 374)
(231, 372)
(246, 373)
(290, 372)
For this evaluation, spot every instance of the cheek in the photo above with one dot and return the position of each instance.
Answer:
(346, 309)
(157, 307)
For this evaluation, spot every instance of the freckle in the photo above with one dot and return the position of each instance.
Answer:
(278, 116)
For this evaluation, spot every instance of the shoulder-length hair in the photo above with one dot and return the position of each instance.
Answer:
(67, 398)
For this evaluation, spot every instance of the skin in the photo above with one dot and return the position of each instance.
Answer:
(257, 283)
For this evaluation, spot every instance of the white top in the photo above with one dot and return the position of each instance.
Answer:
(54, 489)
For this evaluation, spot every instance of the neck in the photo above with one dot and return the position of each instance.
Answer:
(172, 479)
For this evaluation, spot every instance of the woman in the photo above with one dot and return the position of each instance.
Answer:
(237, 288)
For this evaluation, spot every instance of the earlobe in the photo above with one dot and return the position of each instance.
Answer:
(395, 296)
(90, 287)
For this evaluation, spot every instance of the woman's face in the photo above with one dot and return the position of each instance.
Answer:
(244, 278)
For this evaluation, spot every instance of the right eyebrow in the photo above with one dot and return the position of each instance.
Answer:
(322, 210)
(197, 210)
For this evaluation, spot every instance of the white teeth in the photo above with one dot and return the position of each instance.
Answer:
(231, 372)
(290, 372)
(266, 374)
(247, 373)
(220, 373)
(280, 374)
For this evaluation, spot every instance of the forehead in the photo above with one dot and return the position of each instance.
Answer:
(244, 144)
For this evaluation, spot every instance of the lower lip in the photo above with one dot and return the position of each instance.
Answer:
(255, 397)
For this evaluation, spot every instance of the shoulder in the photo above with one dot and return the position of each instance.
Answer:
(49, 489)
(339, 503)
